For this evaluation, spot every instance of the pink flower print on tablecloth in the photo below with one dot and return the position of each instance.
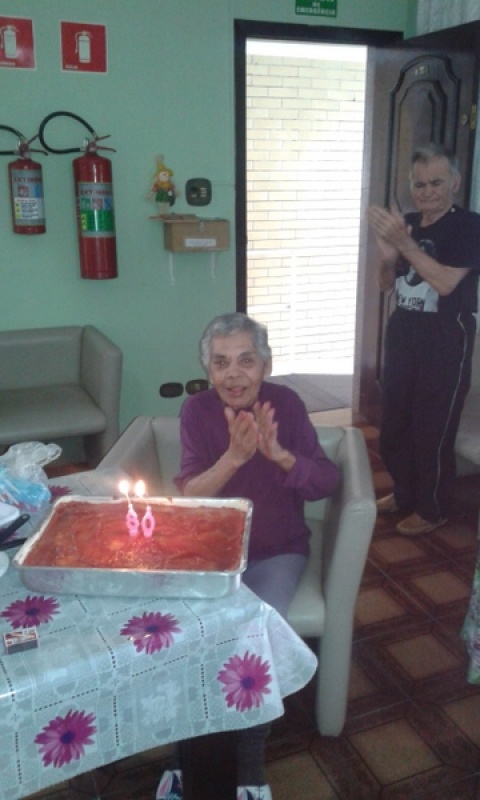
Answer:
(64, 738)
(31, 612)
(245, 681)
(151, 631)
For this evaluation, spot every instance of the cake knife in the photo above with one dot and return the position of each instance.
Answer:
(14, 526)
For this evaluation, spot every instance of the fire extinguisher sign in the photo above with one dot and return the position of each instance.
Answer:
(84, 47)
(16, 43)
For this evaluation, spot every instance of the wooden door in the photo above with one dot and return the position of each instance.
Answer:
(421, 91)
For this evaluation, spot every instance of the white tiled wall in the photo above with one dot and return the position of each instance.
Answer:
(304, 162)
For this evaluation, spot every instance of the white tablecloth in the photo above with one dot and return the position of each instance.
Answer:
(115, 676)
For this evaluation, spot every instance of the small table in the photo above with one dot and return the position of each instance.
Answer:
(115, 676)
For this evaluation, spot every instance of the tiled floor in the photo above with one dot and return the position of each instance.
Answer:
(413, 726)
(319, 392)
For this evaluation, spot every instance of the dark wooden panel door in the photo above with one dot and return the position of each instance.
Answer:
(424, 106)
(424, 90)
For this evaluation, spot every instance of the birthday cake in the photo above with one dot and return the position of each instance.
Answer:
(192, 537)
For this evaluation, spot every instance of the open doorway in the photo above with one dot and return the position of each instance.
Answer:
(315, 272)
(305, 106)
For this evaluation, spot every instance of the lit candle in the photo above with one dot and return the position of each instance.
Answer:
(139, 488)
(148, 520)
(131, 519)
(124, 487)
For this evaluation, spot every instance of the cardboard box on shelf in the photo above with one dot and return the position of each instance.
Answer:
(192, 234)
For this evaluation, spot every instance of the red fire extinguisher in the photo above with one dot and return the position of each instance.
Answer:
(26, 188)
(95, 214)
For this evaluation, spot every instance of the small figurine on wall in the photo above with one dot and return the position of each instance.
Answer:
(162, 188)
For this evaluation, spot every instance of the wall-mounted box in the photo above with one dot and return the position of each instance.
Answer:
(194, 234)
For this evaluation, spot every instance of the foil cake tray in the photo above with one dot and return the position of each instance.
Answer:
(135, 582)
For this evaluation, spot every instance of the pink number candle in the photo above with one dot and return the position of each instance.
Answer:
(131, 518)
(148, 520)
(148, 523)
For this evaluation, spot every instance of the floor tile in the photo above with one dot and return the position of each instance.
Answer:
(298, 776)
(339, 416)
(463, 790)
(345, 770)
(456, 539)
(394, 751)
(371, 690)
(376, 605)
(386, 607)
(423, 656)
(465, 714)
(360, 685)
(395, 549)
(441, 592)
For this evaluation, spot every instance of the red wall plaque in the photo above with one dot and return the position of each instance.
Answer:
(16, 43)
(84, 47)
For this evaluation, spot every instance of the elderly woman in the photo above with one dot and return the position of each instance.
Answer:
(245, 437)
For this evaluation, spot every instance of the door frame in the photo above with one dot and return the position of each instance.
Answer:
(248, 29)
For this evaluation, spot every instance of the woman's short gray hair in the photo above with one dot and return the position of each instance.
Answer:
(228, 324)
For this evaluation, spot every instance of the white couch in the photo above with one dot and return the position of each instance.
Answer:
(342, 526)
(58, 383)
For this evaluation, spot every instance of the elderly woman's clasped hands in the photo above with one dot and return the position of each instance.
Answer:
(254, 430)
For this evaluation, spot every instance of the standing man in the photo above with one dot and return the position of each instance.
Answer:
(432, 258)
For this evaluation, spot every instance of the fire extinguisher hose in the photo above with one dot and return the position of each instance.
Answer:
(91, 142)
(23, 144)
(19, 136)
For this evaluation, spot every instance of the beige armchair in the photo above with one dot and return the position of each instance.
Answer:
(342, 526)
(59, 383)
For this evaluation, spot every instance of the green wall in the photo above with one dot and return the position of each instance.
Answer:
(168, 89)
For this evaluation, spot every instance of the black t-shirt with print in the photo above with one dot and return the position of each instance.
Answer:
(453, 240)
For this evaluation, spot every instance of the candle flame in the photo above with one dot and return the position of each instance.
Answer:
(124, 487)
(140, 488)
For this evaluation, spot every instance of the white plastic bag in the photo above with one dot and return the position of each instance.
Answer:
(23, 482)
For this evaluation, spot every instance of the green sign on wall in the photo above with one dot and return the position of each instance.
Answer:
(316, 8)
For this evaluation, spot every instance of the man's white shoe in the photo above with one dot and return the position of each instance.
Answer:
(170, 786)
(387, 505)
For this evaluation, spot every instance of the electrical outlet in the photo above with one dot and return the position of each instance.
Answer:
(196, 385)
(198, 191)
(171, 389)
